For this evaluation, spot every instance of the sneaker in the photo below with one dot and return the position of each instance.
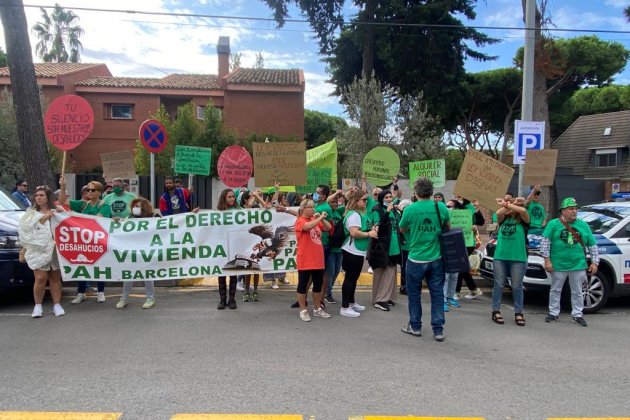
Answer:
(391, 303)
(382, 306)
(438, 336)
(349, 312)
(321, 313)
(240, 286)
(357, 308)
(245, 297)
(304, 316)
(222, 304)
(330, 299)
(255, 297)
(474, 294)
(445, 307)
(122, 303)
(408, 329)
(100, 297)
(148, 304)
(454, 303)
(58, 310)
(370, 270)
(285, 280)
(232, 304)
(551, 318)
(456, 296)
(580, 321)
(274, 284)
(296, 304)
(79, 298)
(38, 312)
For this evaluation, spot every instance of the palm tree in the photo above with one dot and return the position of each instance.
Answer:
(58, 36)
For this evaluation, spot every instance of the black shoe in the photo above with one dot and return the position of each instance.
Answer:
(382, 306)
(221, 304)
(403, 291)
(295, 305)
(551, 318)
(580, 321)
(391, 303)
(232, 304)
(330, 299)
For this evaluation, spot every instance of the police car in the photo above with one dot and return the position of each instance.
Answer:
(610, 223)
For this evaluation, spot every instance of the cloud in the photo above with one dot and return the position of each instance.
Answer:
(318, 92)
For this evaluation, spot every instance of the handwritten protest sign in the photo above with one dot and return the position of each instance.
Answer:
(235, 166)
(435, 170)
(192, 160)
(540, 167)
(381, 165)
(314, 178)
(68, 122)
(463, 219)
(282, 162)
(118, 165)
(483, 178)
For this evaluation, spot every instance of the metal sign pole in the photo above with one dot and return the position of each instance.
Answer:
(152, 179)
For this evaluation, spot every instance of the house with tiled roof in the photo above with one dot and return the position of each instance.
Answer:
(253, 101)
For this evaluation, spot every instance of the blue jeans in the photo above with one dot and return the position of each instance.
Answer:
(333, 267)
(516, 272)
(434, 273)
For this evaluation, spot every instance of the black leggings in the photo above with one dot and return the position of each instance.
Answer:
(352, 265)
(467, 277)
(305, 275)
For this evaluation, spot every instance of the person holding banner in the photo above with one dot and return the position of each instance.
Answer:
(174, 200)
(227, 202)
(119, 200)
(510, 256)
(310, 257)
(250, 200)
(95, 207)
(36, 237)
(359, 229)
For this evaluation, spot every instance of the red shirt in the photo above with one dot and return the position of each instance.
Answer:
(310, 252)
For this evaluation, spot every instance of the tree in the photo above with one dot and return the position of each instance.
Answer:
(235, 61)
(30, 127)
(58, 35)
(3, 58)
(320, 127)
(164, 159)
(260, 61)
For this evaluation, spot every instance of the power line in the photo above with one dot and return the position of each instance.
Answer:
(331, 22)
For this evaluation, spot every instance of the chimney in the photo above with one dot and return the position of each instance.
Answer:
(223, 52)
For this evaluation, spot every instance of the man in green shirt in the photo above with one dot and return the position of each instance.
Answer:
(421, 226)
(566, 240)
(119, 200)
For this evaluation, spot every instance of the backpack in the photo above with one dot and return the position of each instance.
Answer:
(339, 235)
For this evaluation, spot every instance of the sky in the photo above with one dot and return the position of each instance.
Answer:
(153, 45)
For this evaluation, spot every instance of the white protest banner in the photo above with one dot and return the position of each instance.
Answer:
(189, 245)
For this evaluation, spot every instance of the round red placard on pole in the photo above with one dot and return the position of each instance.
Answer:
(68, 122)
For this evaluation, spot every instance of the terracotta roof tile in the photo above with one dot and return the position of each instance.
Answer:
(50, 70)
(282, 77)
(172, 81)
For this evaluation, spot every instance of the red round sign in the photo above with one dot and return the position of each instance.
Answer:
(68, 121)
(81, 240)
(235, 166)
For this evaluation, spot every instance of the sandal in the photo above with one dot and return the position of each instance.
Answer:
(496, 317)
(519, 319)
(245, 297)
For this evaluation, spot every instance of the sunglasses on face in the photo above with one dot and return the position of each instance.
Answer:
(23, 185)
(92, 190)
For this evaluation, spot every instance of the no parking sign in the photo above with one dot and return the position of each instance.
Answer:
(153, 136)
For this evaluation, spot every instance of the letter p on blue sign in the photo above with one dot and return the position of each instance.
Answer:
(528, 141)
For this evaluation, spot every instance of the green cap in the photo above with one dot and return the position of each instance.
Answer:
(568, 202)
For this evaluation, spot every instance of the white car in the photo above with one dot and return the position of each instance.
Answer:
(610, 223)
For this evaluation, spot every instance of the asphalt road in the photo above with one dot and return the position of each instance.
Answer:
(185, 356)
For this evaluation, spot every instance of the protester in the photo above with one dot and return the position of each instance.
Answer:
(227, 202)
(333, 265)
(140, 208)
(385, 251)
(96, 207)
(477, 220)
(537, 217)
(359, 229)
(310, 257)
(119, 200)
(20, 193)
(174, 200)
(37, 238)
(451, 279)
(438, 197)
(421, 225)
(251, 200)
(404, 253)
(510, 256)
(177, 181)
(565, 243)
(320, 197)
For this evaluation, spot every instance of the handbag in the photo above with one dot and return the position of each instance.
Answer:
(453, 247)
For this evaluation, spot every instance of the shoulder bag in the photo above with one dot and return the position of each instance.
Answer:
(453, 248)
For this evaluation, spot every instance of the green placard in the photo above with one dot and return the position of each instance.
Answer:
(314, 177)
(381, 165)
(463, 219)
(435, 170)
(192, 160)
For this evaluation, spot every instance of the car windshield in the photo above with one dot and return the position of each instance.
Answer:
(602, 218)
(8, 203)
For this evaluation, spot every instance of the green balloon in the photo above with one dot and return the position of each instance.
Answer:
(381, 165)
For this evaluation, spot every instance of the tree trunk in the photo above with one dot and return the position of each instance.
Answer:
(28, 112)
(368, 39)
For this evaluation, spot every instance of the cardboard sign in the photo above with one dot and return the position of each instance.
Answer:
(435, 170)
(118, 165)
(68, 122)
(192, 160)
(483, 178)
(314, 178)
(463, 219)
(381, 165)
(540, 167)
(235, 166)
(283, 163)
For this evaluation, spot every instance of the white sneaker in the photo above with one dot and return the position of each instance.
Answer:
(357, 308)
(100, 297)
(321, 313)
(121, 304)
(148, 304)
(58, 310)
(274, 285)
(304, 316)
(474, 294)
(349, 312)
(370, 270)
(79, 298)
(38, 312)
(240, 286)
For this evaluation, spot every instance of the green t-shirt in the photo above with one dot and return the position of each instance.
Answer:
(511, 241)
(369, 205)
(119, 204)
(420, 221)
(80, 206)
(336, 216)
(566, 253)
(321, 208)
(394, 246)
(537, 215)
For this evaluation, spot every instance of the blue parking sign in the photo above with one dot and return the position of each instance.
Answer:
(527, 135)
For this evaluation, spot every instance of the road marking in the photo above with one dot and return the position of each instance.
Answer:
(411, 418)
(237, 417)
(588, 418)
(41, 415)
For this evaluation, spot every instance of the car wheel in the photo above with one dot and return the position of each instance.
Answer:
(596, 293)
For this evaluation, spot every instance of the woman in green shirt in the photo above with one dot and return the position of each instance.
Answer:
(510, 256)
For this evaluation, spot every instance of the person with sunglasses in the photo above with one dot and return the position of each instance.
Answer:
(95, 207)
(20, 193)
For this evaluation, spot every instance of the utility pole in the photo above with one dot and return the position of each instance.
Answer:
(527, 102)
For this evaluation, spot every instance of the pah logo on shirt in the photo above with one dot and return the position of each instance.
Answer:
(426, 226)
(508, 229)
(536, 212)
